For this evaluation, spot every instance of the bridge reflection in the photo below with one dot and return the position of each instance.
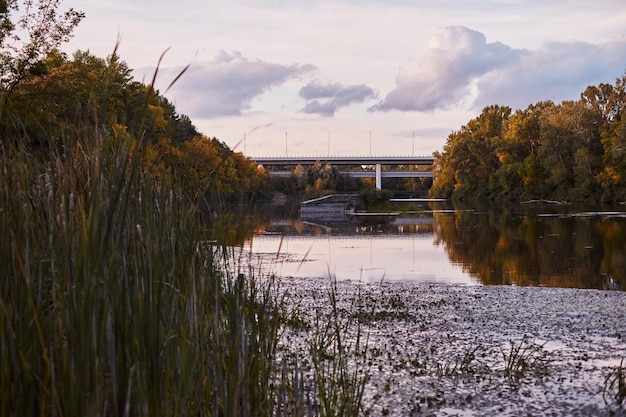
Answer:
(385, 246)
(353, 225)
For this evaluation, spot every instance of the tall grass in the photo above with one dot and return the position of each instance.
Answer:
(338, 349)
(111, 305)
(115, 299)
(525, 356)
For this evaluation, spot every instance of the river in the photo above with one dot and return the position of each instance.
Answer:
(533, 244)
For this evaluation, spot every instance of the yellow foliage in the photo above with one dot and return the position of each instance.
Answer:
(158, 119)
(608, 177)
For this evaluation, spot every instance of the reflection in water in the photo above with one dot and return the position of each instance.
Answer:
(555, 246)
(367, 249)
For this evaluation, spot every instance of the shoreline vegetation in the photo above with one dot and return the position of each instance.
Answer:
(572, 151)
(121, 294)
(118, 302)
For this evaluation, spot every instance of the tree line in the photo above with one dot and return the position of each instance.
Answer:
(50, 101)
(572, 151)
(82, 96)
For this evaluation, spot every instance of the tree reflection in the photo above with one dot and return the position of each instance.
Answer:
(538, 246)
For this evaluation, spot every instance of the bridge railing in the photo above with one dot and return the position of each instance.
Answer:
(345, 160)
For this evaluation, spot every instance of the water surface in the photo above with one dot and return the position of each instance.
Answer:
(525, 244)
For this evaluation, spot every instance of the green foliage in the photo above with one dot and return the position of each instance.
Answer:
(469, 157)
(571, 151)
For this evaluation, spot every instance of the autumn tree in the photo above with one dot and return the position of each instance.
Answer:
(612, 100)
(469, 158)
(71, 97)
(25, 40)
(571, 150)
(574, 151)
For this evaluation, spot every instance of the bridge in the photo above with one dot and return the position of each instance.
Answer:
(363, 163)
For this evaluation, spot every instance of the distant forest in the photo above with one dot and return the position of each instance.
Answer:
(573, 151)
(60, 102)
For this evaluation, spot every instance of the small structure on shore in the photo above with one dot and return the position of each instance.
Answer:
(333, 206)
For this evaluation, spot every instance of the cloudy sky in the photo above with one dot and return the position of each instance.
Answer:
(356, 77)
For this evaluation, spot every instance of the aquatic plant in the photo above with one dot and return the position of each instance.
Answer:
(615, 386)
(338, 350)
(465, 365)
(107, 289)
(118, 297)
(524, 357)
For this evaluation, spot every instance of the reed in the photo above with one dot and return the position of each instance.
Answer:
(614, 390)
(467, 365)
(110, 305)
(116, 300)
(524, 357)
(338, 350)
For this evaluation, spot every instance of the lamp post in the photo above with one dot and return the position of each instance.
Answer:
(329, 143)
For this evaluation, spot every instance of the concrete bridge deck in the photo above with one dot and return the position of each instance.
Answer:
(275, 163)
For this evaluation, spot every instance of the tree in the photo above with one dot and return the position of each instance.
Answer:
(575, 150)
(71, 96)
(532, 175)
(39, 30)
(613, 176)
(469, 159)
(571, 149)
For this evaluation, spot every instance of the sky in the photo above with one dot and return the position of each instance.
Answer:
(355, 77)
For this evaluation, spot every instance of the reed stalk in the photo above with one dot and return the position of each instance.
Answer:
(338, 350)
(111, 305)
(614, 389)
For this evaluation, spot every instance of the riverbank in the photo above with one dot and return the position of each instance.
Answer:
(451, 350)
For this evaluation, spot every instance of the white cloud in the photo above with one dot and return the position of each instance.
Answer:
(226, 84)
(460, 69)
(557, 71)
(335, 95)
(441, 76)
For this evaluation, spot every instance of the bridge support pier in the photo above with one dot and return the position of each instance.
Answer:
(379, 177)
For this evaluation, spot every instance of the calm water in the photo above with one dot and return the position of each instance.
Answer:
(527, 244)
